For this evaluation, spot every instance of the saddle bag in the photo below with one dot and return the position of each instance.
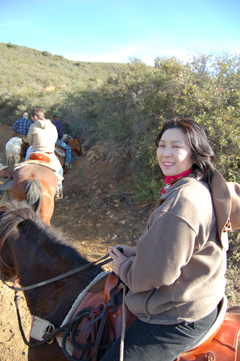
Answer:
(24, 148)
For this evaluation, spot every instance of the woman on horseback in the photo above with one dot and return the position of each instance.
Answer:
(175, 274)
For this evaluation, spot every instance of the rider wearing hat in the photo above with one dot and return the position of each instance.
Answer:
(5, 184)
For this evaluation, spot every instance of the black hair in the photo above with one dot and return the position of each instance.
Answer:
(202, 152)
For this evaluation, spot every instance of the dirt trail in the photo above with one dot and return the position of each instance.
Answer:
(96, 212)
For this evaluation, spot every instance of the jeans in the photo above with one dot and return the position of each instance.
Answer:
(150, 342)
(6, 186)
(63, 145)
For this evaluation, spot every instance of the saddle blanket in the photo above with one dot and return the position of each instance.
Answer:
(31, 162)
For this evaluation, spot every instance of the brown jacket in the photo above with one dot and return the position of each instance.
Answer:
(178, 271)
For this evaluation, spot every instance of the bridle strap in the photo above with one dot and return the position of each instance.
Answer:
(67, 274)
(48, 337)
(5, 264)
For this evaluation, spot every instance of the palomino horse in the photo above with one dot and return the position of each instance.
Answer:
(36, 182)
(14, 146)
(22, 231)
(13, 152)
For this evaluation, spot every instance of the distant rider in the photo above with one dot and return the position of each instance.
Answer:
(5, 185)
(21, 126)
(60, 143)
(42, 137)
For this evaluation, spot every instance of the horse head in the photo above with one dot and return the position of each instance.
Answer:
(76, 145)
(11, 218)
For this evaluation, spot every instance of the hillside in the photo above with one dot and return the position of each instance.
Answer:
(28, 73)
(23, 66)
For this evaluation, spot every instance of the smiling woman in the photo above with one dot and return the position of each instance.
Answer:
(175, 274)
(182, 146)
(174, 154)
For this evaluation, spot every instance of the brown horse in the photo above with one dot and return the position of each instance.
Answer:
(22, 231)
(48, 254)
(76, 146)
(35, 182)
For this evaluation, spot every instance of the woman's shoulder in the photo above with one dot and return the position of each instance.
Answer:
(190, 203)
(196, 187)
(188, 195)
(189, 188)
(195, 192)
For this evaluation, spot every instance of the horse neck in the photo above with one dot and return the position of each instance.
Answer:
(52, 301)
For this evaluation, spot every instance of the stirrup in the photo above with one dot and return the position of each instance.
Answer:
(67, 166)
(59, 194)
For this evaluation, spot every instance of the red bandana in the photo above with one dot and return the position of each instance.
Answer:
(169, 181)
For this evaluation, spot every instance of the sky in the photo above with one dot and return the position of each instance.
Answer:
(120, 30)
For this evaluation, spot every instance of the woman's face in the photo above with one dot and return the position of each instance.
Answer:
(173, 153)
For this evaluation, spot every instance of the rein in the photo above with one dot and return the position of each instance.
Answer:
(107, 259)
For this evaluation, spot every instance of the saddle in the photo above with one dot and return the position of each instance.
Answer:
(39, 156)
(221, 344)
(61, 152)
(101, 325)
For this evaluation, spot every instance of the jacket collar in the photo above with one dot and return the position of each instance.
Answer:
(226, 202)
(222, 205)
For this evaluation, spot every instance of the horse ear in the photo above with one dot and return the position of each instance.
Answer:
(36, 206)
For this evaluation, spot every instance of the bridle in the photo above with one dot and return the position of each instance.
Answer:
(100, 262)
(5, 264)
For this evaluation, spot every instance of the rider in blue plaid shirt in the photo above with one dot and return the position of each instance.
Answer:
(21, 126)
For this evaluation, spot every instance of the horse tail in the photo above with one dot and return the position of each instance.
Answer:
(33, 191)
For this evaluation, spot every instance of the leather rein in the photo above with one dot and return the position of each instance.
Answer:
(107, 259)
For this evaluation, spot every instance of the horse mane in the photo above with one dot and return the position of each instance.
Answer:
(13, 215)
(18, 218)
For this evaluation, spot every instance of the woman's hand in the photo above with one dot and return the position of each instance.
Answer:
(118, 257)
(127, 251)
